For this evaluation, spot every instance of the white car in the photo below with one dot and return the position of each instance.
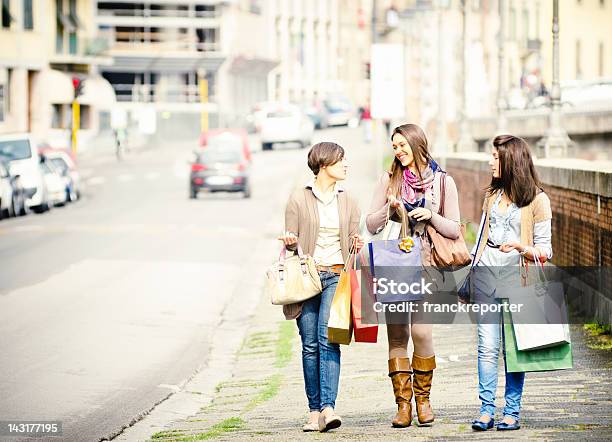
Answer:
(19, 150)
(56, 187)
(340, 112)
(67, 169)
(286, 124)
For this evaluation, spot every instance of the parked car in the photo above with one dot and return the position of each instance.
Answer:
(227, 137)
(258, 114)
(54, 182)
(19, 150)
(220, 169)
(340, 112)
(66, 168)
(12, 195)
(317, 112)
(286, 124)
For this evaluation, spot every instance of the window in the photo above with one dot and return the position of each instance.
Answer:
(601, 59)
(578, 60)
(75, 24)
(85, 117)
(512, 35)
(2, 101)
(61, 114)
(7, 18)
(28, 19)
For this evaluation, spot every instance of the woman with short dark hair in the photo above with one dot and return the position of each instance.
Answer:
(324, 220)
(516, 222)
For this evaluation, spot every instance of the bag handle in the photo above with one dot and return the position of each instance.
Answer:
(352, 254)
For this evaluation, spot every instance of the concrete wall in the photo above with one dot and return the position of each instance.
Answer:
(581, 199)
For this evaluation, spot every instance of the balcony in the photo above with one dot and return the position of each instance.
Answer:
(144, 93)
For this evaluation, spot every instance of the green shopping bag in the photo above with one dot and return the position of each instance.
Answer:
(558, 357)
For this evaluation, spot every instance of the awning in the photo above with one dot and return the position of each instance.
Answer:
(57, 86)
(98, 92)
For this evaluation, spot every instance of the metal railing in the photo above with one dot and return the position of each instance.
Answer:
(164, 13)
(144, 93)
(156, 41)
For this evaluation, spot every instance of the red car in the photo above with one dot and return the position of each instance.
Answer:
(226, 137)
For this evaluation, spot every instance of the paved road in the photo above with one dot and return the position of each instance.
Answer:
(107, 305)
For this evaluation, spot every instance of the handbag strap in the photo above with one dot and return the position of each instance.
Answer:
(484, 218)
(442, 194)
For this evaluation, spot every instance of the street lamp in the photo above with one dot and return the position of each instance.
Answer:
(501, 78)
(556, 142)
(440, 145)
(465, 143)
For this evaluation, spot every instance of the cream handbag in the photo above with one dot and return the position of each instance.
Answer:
(292, 279)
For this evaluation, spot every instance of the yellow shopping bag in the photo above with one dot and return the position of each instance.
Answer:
(340, 324)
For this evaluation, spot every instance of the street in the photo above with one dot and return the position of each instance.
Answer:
(107, 305)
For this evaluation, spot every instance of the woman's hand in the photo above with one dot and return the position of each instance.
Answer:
(393, 202)
(420, 214)
(510, 246)
(288, 238)
(357, 240)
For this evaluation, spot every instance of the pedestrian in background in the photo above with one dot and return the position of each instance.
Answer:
(413, 184)
(516, 222)
(366, 121)
(324, 220)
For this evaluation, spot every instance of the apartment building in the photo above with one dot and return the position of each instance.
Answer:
(44, 45)
(162, 49)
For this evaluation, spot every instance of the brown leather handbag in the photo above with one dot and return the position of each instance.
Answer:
(447, 252)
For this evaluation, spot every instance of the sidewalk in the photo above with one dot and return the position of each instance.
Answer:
(265, 401)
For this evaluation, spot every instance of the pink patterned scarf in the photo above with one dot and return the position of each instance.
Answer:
(411, 185)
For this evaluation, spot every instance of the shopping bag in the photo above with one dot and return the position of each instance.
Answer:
(399, 262)
(542, 320)
(340, 324)
(365, 330)
(554, 358)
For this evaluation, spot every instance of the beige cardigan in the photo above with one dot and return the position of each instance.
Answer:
(302, 218)
(536, 211)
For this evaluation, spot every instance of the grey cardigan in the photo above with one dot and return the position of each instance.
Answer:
(302, 218)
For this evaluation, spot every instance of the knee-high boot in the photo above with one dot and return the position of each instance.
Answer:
(423, 375)
(400, 373)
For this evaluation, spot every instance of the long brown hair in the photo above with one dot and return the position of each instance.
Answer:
(518, 177)
(420, 152)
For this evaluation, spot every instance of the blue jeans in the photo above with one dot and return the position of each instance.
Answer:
(320, 359)
(489, 338)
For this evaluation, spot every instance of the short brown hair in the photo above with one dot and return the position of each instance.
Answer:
(324, 154)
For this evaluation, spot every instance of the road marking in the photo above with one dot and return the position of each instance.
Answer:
(125, 177)
(96, 180)
(152, 175)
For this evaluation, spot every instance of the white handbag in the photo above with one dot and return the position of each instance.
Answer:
(292, 279)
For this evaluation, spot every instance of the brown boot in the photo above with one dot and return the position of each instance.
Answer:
(423, 375)
(400, 374)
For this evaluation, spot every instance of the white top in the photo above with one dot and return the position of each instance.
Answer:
(327, 247)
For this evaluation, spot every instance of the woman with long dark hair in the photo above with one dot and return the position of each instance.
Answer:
(413, 185)
(516, 222)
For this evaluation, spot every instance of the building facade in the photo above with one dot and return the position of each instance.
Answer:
(43, 47)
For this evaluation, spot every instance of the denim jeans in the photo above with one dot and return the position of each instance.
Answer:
(490, 335)
(320, 359)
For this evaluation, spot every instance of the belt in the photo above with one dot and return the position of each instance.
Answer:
(336, 268)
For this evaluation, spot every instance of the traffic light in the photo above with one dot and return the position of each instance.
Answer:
(77, 84)
(367, 70)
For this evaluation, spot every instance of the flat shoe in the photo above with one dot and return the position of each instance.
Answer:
(478, 425)
(502, 426)
(330, 423)
(310, 426)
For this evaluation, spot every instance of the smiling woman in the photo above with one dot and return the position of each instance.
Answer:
(414, 183)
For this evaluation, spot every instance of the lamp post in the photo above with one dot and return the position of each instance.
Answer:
(441, 143)
(501, 78)
(465, 143)
(556, 142)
